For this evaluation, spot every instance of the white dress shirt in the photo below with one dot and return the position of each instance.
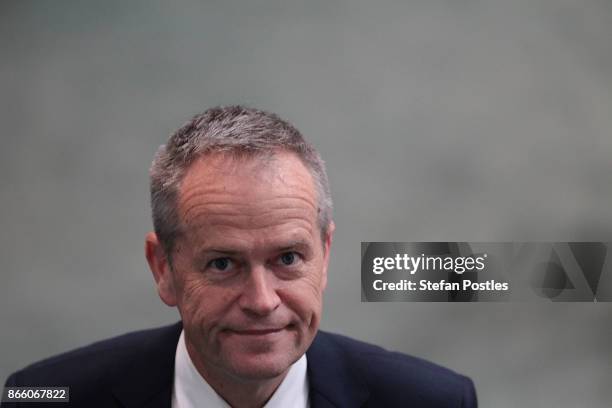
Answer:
(190, 389)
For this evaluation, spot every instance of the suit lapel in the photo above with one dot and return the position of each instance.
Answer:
(333, 378)
(148, 380)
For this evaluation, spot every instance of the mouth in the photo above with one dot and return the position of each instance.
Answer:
(258, 332)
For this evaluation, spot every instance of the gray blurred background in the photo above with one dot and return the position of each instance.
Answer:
(439, 121)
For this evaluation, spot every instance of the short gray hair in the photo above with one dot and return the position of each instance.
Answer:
(233, 129)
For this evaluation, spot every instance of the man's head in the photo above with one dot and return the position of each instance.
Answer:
(239, 131)
(242, 217)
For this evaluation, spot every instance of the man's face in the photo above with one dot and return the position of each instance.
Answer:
(248, 273)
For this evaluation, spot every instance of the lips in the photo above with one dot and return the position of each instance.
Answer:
(257, 332)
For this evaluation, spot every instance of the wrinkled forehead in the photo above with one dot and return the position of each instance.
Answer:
(227, 179)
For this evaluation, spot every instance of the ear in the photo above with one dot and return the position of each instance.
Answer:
(326, 249)
(162, 272)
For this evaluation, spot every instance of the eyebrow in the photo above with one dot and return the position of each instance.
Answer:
(296, 244)
(293, 244)
(219, 250)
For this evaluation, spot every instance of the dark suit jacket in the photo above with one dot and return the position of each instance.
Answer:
(136, 370)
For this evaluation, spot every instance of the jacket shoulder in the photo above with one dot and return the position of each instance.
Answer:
(394, 377)
(96, 368)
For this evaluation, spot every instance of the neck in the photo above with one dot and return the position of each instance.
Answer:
(237, 392)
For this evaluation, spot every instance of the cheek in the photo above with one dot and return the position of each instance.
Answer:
(313, 281)
(304, 296)
(202, 305)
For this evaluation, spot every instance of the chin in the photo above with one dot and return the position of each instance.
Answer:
(261, 367)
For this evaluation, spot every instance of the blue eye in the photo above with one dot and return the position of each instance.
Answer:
(288, 258)
(220, 263)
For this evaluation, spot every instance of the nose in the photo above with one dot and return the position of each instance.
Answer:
(259, 295)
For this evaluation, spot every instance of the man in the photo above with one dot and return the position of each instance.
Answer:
(243, 229)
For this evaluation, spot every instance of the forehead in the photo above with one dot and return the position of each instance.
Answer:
(247, 192)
